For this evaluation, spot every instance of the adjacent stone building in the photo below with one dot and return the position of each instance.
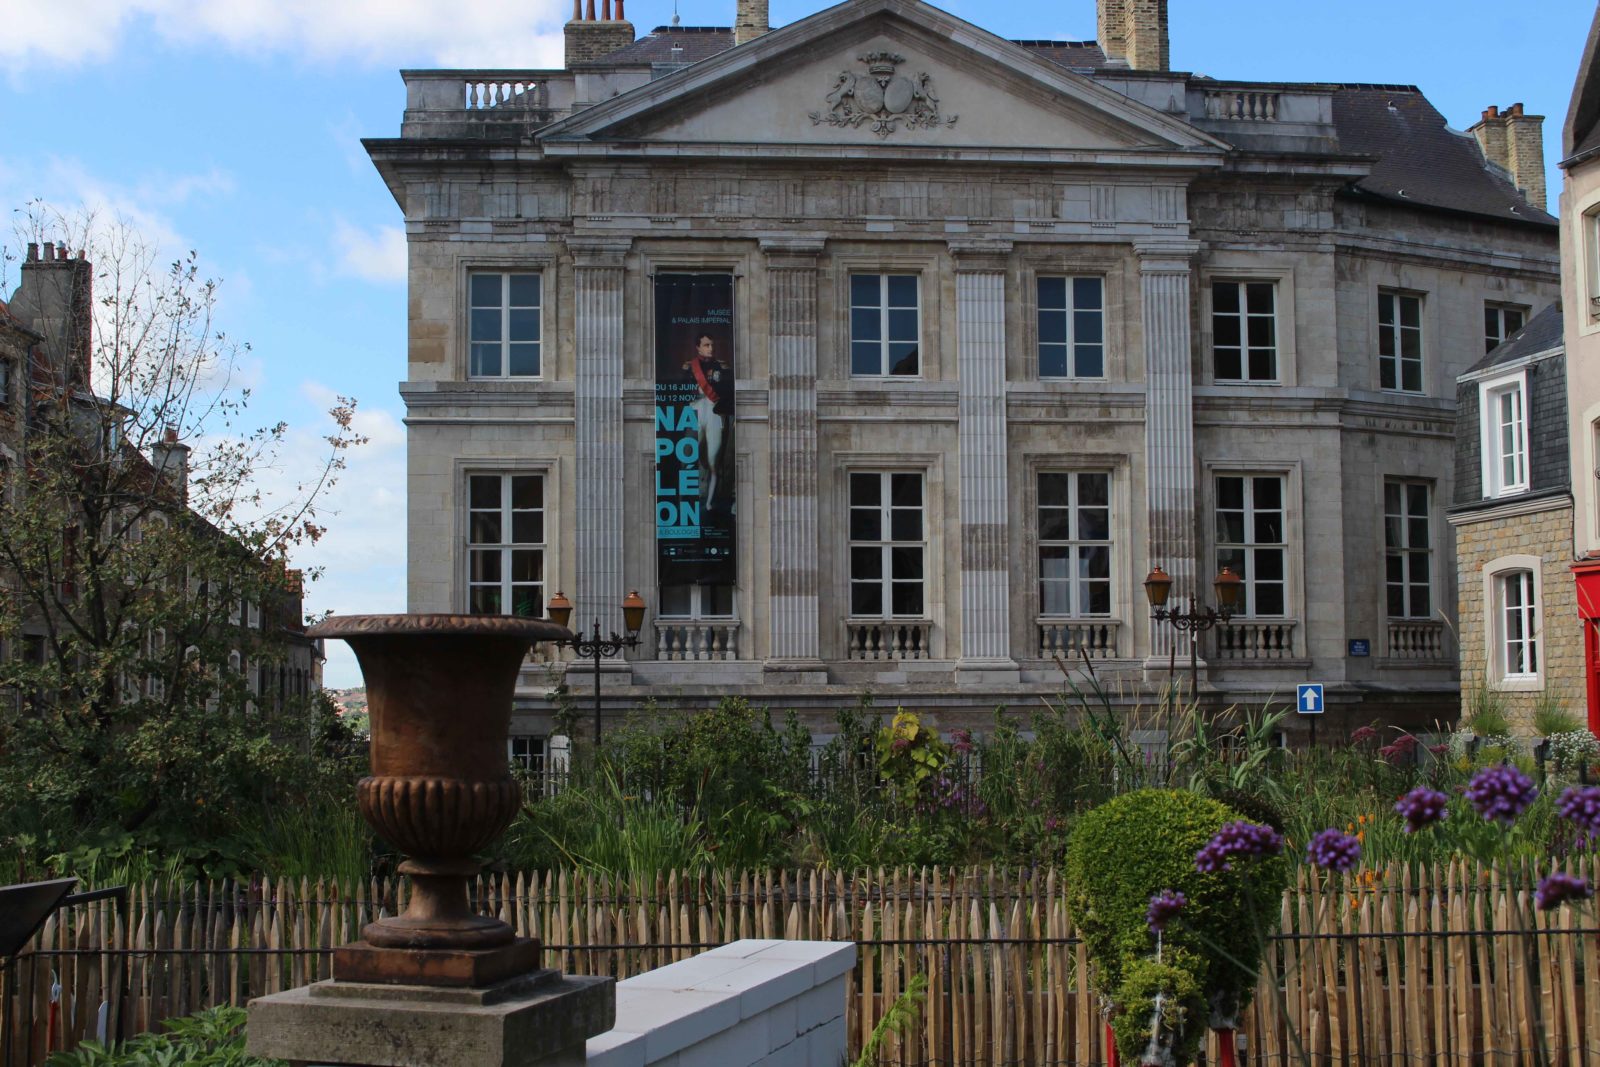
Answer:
(880, 353)
(1513, 522)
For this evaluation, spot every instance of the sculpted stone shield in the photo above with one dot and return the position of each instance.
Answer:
(882, 99)
(898, 94)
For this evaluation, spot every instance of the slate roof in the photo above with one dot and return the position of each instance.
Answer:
(1580, 136)
(1420, 160)
(696, 43)
(1541, 334)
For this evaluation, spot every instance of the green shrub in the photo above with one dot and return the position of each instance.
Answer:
(1127, 850)
(1551, 716)
(1486, 713)
(212, 1038)
(1182, 1008)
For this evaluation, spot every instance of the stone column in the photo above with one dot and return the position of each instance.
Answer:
(792, 605)
(597, 418)
(1164, 275)
(981, 432)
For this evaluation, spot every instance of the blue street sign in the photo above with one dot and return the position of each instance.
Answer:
(1308, 698)
(1360, 646)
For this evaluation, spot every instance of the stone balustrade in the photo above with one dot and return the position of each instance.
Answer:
(678, 640)
(888, 639)
(1241, 105)
(1416, 639)
(1096, 638)
(1251, 640)
(483, 103)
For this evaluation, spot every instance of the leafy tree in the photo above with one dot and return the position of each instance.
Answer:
(145, 602)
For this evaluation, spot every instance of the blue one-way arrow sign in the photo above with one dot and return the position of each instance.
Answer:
(1308, 698)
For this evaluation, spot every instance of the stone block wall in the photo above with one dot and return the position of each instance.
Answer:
(1546, 534)
(753, 1002)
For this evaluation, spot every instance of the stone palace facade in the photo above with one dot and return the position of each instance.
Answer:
(882, 354)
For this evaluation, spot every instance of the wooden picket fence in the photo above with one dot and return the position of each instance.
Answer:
(1450, 965)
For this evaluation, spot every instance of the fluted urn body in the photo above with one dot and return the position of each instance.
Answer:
(439, 695)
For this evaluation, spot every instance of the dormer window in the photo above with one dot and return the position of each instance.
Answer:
(1503, 430)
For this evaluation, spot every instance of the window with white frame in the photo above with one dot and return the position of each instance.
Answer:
(885, 327)
(698, 601)
(5, 385)
(1074, 524)
(1071, 321)
(1408, 552)
(505, 544)
(1589, 227)
(526, 753)
(1503, 419)
(1516, 644)
(1244, 331)
(888, 546)
(504, 325)
(1252, 539)
(1500, 321)
(1399, 341)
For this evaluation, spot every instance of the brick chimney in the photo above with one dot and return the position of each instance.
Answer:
(170, 458)
(1134, 32)
(1514, 141)
(590, 38)
(749, 21)
(56, 300)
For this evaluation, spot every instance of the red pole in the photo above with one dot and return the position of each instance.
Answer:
(1111, 1047)
(1225, 1048)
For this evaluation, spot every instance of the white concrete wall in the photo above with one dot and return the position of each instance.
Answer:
(773, 1003)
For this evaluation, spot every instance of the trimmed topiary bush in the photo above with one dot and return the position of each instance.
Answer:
(1182, 1008)
(1127, 850)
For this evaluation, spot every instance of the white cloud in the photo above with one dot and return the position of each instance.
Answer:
(378, 256)
(514, 33)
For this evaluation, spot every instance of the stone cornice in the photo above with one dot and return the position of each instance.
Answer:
(1166, 257)
(1527, 504)
(595, 251)
(799, 252)
(978, 254)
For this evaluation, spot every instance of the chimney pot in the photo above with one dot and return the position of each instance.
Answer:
(589, 12)
(49, 251)
(1515, 109)
(750, 20)
(577, 10)
(171, 435)
(33, 251)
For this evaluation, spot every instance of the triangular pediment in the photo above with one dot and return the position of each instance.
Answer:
(881, 73)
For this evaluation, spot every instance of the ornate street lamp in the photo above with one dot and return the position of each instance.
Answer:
(594, 646)
(1229, 588)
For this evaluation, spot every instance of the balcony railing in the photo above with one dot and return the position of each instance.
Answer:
(1241, 105)
(1416, 639)
(888, 639)
(1253, 640)
(1096, 638)
(697, 639)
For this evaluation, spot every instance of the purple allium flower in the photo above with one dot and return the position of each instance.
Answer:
(1164, 906)
(1237, 839)
(1422, 807)
(1334, 850)
(1561, 887)
(1363, 734)
(1581, 807)
(1501, 793)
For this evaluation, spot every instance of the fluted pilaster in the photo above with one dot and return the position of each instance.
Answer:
(1165, 274)
(597, 354)
(792, 427)
(981, 413)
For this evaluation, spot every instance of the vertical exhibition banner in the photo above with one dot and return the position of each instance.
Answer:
(694, 488)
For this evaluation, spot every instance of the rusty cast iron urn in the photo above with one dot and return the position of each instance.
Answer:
(439, 693)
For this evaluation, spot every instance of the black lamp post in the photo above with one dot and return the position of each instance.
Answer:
(1230, 589)
(594, 646)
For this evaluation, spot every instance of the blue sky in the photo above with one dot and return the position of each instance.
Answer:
(232, 127)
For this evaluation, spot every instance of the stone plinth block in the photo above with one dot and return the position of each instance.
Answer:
(540, 1018)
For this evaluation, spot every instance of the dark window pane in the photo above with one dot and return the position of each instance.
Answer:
(905, 563)
(903, 325)
(527, 491)
(908, 599)
(1263, 333)
(1386, 309)
(1094, 562)
(866, 358)
(676, 600)
(716, 600)
(1411, 377)
(485, 600)
(1269, 566)
(1225, 298)
(527, 527)
(866, 324)
(903, 359)
(866, 563)
(1088, 293)
(865, 490)
(1230, 527)
(485, 528)
(1054, 598)
(1269, 493)
(1410, 345)
(865, 524)
(484, 490)
(524, 325)
(1395, 569)
(1094, 524)
(524, 361)
(903, 290)
(1098, 601)
(1229, 367)
(1417, 531)
(1055, 562)
(1233, 559)
(1052, 292)
(1091, 362)
(486, 359)
(1386, 375)
(1263, 365)
(1086, 327)
(1225, 331)
(866, 599)
(1396, 602)
(486, 325)
(1054, 524)
(1417, 499)
(1410, 311)
(1094, 490)
(1421, 607)
(1053, 489)
(524, 290)
(1391, 497)
(905, 524)
(1393, 525)
(1268, 528)
(864, 290)
(485, 566)
(1269, 600)
(905, 490)
(527, 565)
(1258, 298)
(485, 290)
(1052, 327)
(527, 601)
(1230, 492)
(1491, 326)
(1052, 361)
(1513, 322)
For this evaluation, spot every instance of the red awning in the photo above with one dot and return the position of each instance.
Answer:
(1587, 575)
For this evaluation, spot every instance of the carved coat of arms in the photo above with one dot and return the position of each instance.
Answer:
(883, 98)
